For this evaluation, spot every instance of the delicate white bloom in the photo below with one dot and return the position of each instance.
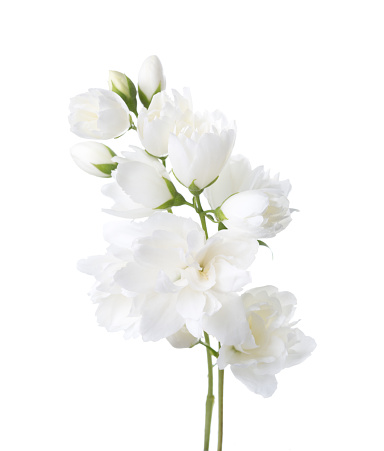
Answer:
(177, 278)
(98, 114)
(142, 178)
(250, 200)
(123, 86)
(142, 185)
(200, 150)
(182, 339)
(166, 114)
(115, 309)
(151, 79)
(94, 158)
(272, 343)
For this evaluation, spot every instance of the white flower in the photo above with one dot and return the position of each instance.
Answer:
(250, 200)
(272, 344)
(178, 278)
(200, 150)
(165, 114)
(94, 158)
(151, 79)
(143, 184)
(98, 114)
(115, 309)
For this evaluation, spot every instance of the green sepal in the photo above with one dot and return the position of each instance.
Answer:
(220, 215)
(222, 226)
(261, 243)
(175, 202)
(144, 99)
(195, 190)
(177, 198)
(106, 168)
(170, 186)
(112, 153)
(130, 99)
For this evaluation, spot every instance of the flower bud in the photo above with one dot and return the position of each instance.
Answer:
(151, 79)
(124, 87)
(94, 158)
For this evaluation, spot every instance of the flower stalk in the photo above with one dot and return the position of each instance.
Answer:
(210, 397)
(221, 410)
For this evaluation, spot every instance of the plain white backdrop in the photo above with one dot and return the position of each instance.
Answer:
(304, 81)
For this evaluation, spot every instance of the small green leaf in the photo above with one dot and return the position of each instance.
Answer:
(222, 226)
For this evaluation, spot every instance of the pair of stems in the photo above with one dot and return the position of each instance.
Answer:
(210, 401)
(210, 396)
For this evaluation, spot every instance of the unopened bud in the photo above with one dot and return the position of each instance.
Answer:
(124, 87)
(94, 158)
(151, 79)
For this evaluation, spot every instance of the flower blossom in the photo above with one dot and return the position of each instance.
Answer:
(166, 114)
(141, 185)
(272, 343)
(178, 278)
(249, 200)
(98, 114)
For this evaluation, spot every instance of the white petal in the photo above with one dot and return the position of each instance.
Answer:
(143, 184)
(190, 304)
(182, 339)
(229, 325)
(264, 385)
(160, 318)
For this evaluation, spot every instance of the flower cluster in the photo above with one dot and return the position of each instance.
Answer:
(162, 275)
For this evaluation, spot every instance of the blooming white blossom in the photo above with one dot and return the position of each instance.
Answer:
(272, 343)
(115, 309)
(143, 180)
(178, 278)
(250, 200)
(199, 151)
(98, 114)
(166, 114)
(151, 79)
(94, 158)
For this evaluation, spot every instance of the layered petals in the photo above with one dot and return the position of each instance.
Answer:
(98, 114)
(272, 342)
(250, 201)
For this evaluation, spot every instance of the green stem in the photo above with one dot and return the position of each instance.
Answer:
(210, 397)
(201, 213)
(213, 352)
(221, 410)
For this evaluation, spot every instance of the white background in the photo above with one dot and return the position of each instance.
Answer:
(304, 81)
